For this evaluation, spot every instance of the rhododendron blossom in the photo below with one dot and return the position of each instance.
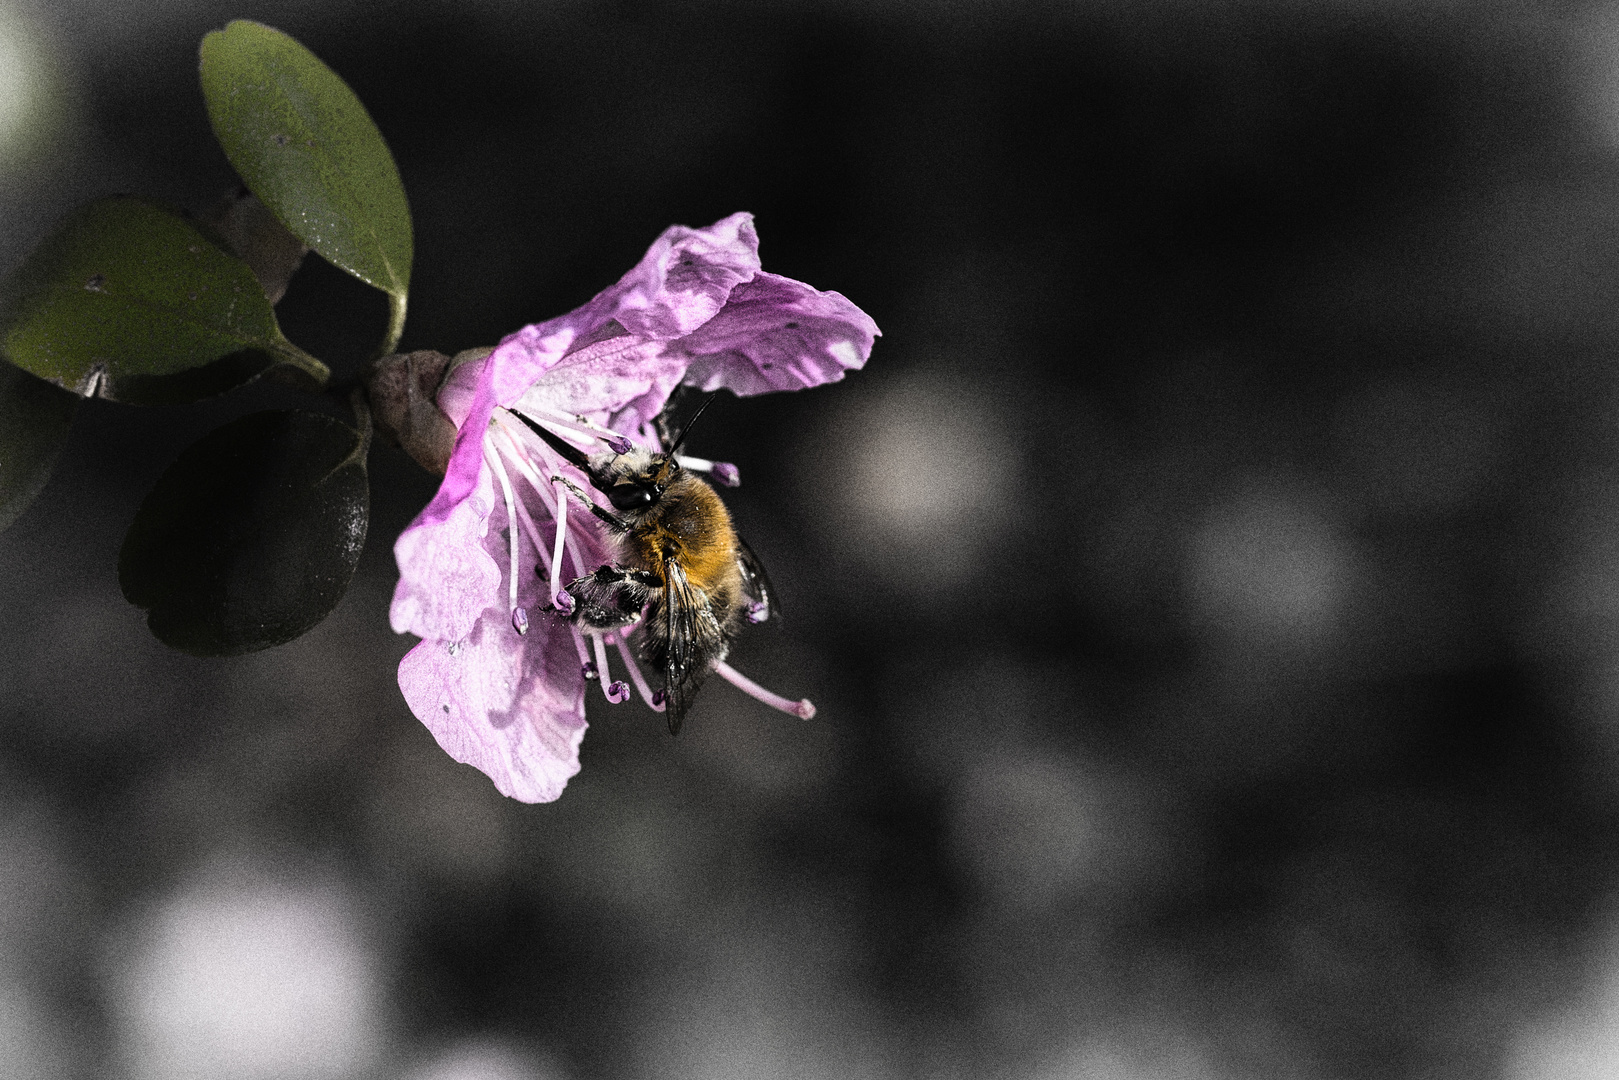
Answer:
(500, 674)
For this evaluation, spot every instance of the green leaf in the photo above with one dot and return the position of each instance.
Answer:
(34, 421)
(130, 301)
(308, 149)
(258, 239)
(251, 537)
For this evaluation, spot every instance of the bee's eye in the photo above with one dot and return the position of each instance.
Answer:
(630, 496)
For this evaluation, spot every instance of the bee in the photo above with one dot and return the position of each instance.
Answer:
(676, 558)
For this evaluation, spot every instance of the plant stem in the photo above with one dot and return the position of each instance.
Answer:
(291, 355)
(362, 415)
(396, 325)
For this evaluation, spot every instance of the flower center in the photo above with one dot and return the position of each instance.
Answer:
(543, 476)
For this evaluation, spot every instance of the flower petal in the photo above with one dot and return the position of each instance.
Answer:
(511, 706)
(681, 282)
(778, 334)
(685, 278)
(447, 576)
(607, 378)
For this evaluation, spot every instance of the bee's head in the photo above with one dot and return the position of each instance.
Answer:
(633, 481)
(632, 478)
(637, 479)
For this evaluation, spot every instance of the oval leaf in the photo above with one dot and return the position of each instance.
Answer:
(131, 301)
(34, 421)
(307, 148)
(251, 536)
(258, 239)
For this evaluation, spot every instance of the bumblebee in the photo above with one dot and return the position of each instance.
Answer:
(677, 559)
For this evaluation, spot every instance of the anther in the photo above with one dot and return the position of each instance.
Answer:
(758, 612)
(564, 602)
(724, 473)
(619, 444)
(520, 620)
(618, 691)
(636, 677)
(658, 699)
(608, 688)
(589, 671)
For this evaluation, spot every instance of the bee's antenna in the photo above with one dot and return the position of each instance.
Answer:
(689, 423)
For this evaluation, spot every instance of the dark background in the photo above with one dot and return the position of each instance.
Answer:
(1210, 590)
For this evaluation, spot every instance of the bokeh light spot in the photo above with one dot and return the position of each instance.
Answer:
(1267, 562)
(248, 981)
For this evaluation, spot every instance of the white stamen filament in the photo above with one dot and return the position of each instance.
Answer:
(551, 497)
(492, 456)
(616, 692)
(557, 592)
(724, 473)
(522, 511)
(580, 647)
(576, 424)
(636, 677)
(804, 709)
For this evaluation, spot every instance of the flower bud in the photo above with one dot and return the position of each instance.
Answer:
(402, 388)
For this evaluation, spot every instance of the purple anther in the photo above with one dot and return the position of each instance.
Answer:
(726, 474)
(758, 612)
(657, 698)
(520, 620)
(588, 670)
(564, 602)
(619, 444)
(618, 691)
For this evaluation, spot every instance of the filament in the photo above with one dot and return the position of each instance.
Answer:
(519, 616)
(724, 473)
(580, 424)
(579, 647)
(804, 709)
(557, 591)
(635, 674)
(615, 691)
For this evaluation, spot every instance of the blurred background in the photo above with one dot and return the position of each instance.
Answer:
(1210, 590)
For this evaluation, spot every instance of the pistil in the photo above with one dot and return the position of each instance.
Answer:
(804, 709)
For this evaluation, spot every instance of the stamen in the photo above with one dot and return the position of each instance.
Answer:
(580, 424)
(724, 473)
(492, 456)
(617, 692)
(803, 708)
(590, 671)
(557, 591)
(522, 511)
(758, 612)
(653, 699)
(579, 647)
(553, 500)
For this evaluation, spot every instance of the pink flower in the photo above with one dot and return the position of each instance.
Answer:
(499, 676)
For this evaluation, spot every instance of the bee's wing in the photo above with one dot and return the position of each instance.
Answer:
(693, 637)
(755, 582)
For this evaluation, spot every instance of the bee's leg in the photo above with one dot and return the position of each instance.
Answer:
(612, 597)
(612, 521)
